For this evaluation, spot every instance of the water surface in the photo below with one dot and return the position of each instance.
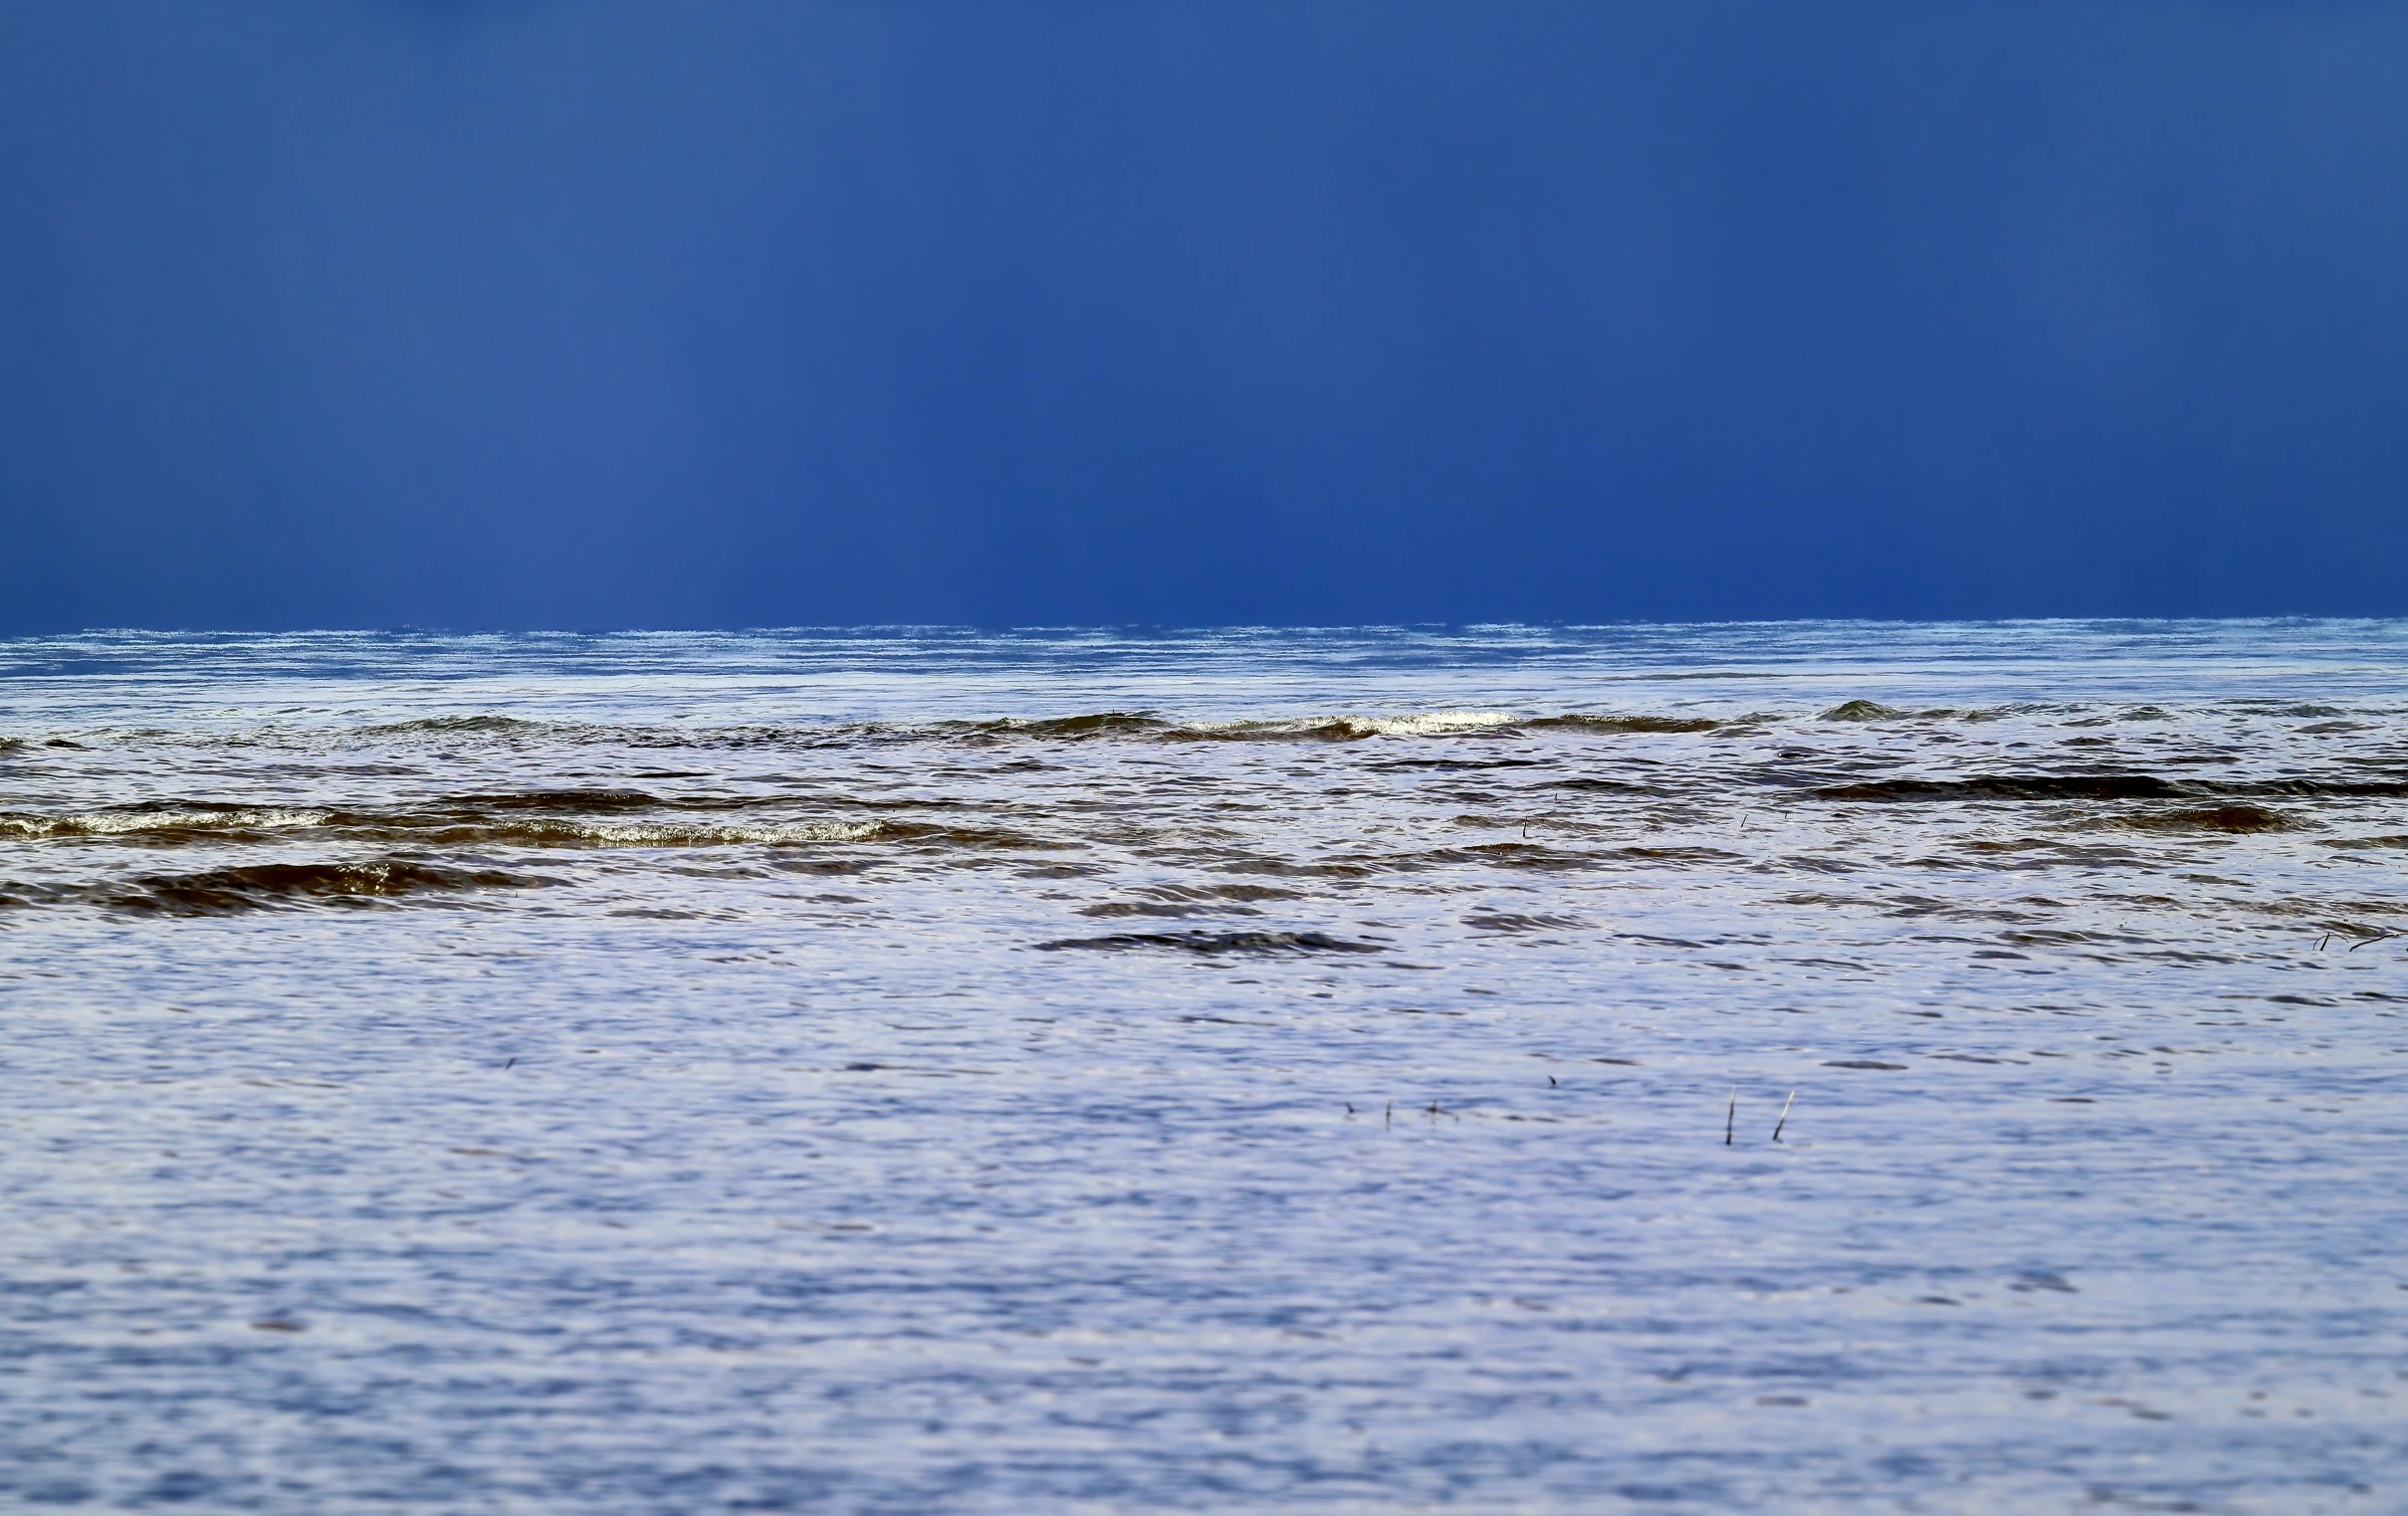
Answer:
(1271, 1071)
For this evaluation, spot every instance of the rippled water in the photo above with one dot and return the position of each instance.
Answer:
(1268, 1071)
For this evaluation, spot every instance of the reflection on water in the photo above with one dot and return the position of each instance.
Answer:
(922, 1071)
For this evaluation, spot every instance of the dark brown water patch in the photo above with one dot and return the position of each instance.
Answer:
(1214, 944)
(1515, 855)
(1061, 729)
(455, 725)
(2036, 786)
(2216, 818)
(982, 838)
(2046, 854)
(574, 800)
(268, 886)
(1274, 732)
(2311, 788)
(1643, 724)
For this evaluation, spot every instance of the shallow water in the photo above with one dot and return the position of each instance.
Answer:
(915, 1072)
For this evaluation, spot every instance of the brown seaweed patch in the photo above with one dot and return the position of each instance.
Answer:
(2395, 839)
(268, 886)
(1214, 944)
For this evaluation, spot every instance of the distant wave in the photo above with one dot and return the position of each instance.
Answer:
(267, 886)
(1139, 725)
(1214, 944)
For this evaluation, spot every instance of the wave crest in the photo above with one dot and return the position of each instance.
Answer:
(183, 820)
(267, 886)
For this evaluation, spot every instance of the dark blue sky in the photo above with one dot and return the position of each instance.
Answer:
(532, 313)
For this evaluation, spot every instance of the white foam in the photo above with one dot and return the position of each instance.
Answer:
(1433, 722)
(650, 834)
(119, 823)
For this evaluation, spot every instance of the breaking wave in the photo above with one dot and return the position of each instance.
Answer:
(534, 818)
(165, 824)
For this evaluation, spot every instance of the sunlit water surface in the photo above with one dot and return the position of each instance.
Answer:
(898, 1072)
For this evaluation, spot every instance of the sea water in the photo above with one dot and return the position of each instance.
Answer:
(1803, 1067)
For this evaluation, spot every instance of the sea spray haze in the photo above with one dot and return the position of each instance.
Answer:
(1267, 1071)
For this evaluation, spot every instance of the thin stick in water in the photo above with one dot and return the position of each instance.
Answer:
(1784, 1121)
(1730, 1116)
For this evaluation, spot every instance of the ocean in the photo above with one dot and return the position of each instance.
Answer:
(1800, 1067)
